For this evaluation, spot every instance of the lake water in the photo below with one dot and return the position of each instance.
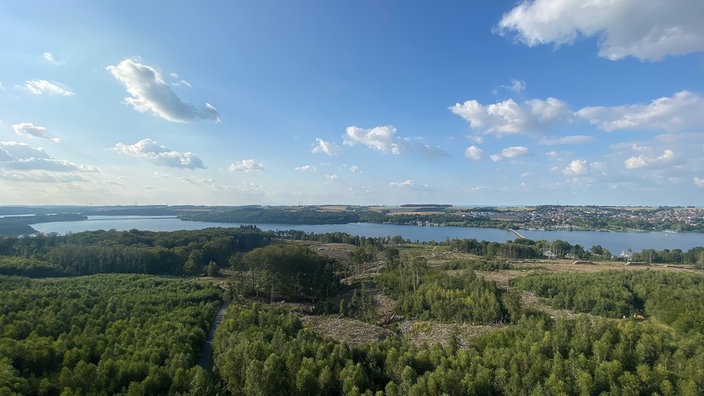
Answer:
(615, 242)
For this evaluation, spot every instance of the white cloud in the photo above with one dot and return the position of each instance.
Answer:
(248, 165)
(383, 139)
(510, 152)
(566, 140)
(39, 87)
(149, 93)
(305, 168)
(379, 138)
(576, 168)
(332, 178)
(683, 111)
(328, 148)
(699, 182)
(21, 162)
(409, 184)
(644, 161)
(29, 129)
(49, 57)
(179, 82)
(474, 152)
(516, 86)
(355, 169)
(648, 31)
(510, 117)
(160, 155)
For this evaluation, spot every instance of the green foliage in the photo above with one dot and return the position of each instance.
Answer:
(675, 298)
(134, 251)
(426, 293)
(102, 334)
(277, 215)
(30, 267)
(264, 351)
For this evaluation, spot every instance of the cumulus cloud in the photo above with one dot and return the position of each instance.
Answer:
(384, 139)
(327, 148)
(29, 129)
(248, 165)
(474, 153)
(510, 152)
(699, 182)
(379, 138)
(22, 162)
(684, 110)
(644, 161)
(305, 168)
(576, 168)
(648, 31)
(680, 112)
(39, 87)
(509, 117)
(149, 93)
(150, 150)
(332, 178)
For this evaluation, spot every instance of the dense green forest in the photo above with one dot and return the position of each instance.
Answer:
(104, 334)
(110, 312)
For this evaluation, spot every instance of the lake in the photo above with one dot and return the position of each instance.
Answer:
(615, 242)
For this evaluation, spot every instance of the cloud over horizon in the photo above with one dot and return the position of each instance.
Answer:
(384, 140)
(149, 93)
(29, 129)
(160, 155)
(683, 111)
(22, 162)
(248, 165)
(509, 117)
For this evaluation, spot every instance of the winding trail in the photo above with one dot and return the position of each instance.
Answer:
(206, 354)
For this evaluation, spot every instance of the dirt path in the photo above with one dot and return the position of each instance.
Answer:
(206, 352)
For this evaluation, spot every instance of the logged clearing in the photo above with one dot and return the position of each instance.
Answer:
(386, 322)
(353, 332)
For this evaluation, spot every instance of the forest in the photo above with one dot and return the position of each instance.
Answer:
(130, 313)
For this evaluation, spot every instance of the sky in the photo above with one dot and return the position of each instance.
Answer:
(368, 102)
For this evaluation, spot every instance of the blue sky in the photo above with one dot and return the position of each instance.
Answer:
(366, 102)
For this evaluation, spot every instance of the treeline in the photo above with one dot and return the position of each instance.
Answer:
(134, 251)
(277, 215)
(104, 334)
(262, 350)
(671, 297)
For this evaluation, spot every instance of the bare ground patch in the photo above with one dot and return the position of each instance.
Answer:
(429, 333)
(351, 331)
